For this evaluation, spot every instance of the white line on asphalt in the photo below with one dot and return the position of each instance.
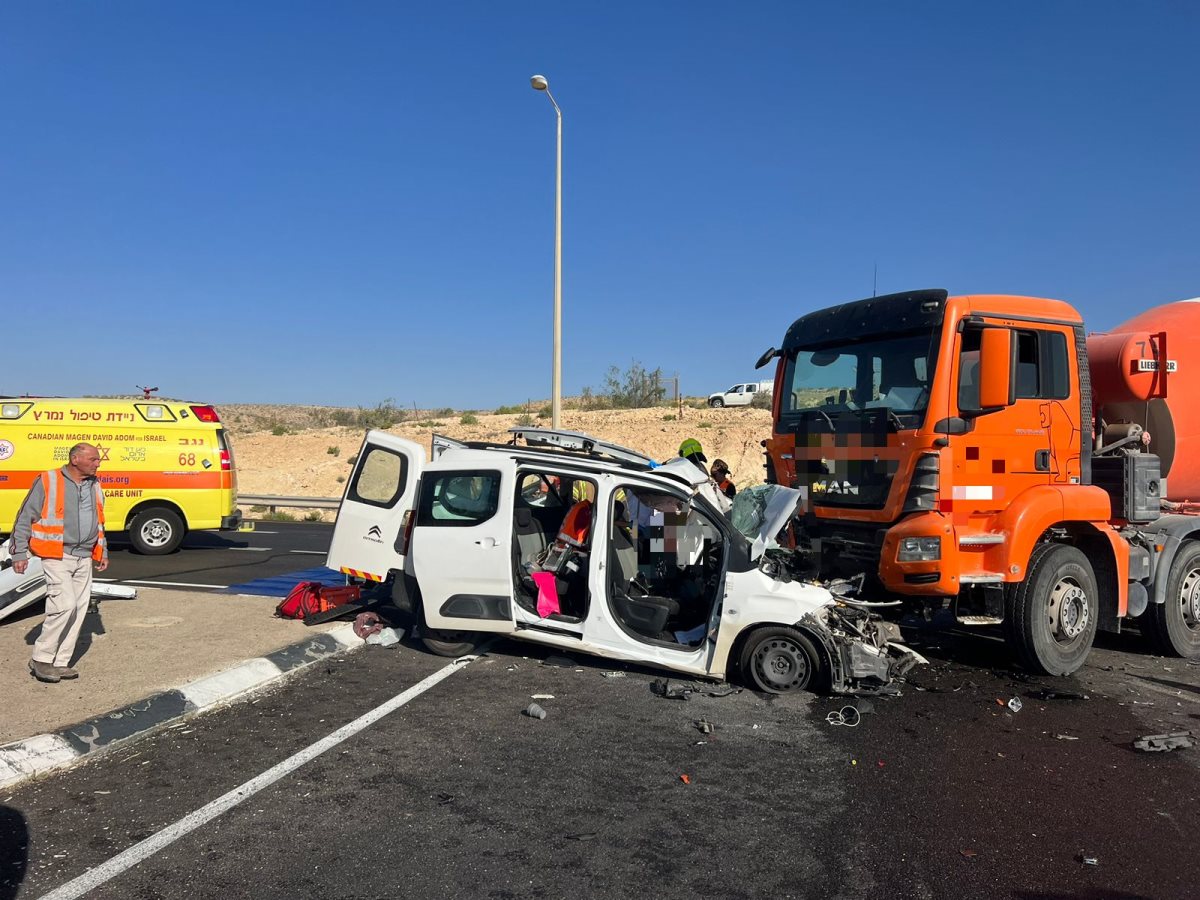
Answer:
(258, 531)
(251, 549)
(174, 584)
(127, 859)
(313, 552)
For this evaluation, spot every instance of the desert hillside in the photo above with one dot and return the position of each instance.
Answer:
(286, 450)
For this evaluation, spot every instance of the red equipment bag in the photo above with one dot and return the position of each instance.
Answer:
(311, 597)
(302, 600)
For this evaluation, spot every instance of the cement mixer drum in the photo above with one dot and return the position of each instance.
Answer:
(1130, 377)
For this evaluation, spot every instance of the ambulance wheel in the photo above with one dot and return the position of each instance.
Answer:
(779, 660)
(156, 531)
(716, 402)
(449, 643)
(1173, 626)
(1053, 613)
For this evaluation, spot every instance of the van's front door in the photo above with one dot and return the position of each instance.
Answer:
(369, 533)
(461, 546)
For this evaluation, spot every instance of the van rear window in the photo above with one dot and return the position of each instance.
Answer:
(380, 478)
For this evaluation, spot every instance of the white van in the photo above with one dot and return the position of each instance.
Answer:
(584, 546)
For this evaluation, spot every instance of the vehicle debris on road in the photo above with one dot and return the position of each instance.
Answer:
(847, 715)
(534, 711)
(1155, 743)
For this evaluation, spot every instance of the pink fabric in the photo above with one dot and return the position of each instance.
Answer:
(547, 593)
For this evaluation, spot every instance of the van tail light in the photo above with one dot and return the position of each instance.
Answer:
(205, 413)
(406, 529)
(225, 463)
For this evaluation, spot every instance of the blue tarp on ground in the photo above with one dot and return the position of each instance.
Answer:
(280, 585)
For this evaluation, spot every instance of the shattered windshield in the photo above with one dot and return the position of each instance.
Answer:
(880, 376)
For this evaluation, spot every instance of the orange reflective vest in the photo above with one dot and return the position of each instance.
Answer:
(46, 536)
(576, 524)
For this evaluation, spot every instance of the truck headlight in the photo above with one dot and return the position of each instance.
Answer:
(919, 549)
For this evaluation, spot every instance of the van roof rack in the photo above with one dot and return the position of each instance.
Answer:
(578, 442)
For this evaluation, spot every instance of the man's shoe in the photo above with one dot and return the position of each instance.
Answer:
(44, 671)
(66, 673)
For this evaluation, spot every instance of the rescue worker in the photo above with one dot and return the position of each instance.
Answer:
(62, 523)
(720, 474)
(691, 450)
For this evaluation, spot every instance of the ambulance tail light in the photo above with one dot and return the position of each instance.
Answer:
(205, 414)
(226, 452)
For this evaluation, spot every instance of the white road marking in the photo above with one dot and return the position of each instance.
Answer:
(143, 850)
(174, 584)
(257, 531)
(313, 552)
(251, 549)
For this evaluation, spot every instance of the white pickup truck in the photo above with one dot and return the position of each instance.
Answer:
(740, 394)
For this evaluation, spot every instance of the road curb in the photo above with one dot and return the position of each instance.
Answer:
(44, 752)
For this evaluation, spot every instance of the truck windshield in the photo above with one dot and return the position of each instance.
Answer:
(878, 377)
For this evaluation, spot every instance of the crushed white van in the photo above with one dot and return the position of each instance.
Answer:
(585, 546)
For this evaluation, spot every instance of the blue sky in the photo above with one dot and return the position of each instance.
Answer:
(344, 203)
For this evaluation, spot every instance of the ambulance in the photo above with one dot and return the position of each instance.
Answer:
(166, 466)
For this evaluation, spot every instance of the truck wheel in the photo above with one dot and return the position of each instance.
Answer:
(716, 402)
(1052, 613)
(779, 660)
(156, 531)
(1173, 626)
(449, 643)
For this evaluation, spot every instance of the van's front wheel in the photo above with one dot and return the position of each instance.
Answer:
(155, 531)
(780, 660)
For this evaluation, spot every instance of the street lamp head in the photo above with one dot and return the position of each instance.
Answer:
(539, 83)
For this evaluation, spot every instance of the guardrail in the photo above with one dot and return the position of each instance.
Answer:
(272, 501)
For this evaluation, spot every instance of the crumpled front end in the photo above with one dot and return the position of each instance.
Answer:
(865, 652)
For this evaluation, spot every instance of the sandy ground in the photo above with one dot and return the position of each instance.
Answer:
(314, 462)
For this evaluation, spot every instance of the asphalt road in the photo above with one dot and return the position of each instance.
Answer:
(212, 560)
(942, 792)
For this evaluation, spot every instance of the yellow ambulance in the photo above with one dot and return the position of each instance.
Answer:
(166, 466)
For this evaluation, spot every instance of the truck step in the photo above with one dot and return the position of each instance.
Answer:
(979, 620)
(982, 539)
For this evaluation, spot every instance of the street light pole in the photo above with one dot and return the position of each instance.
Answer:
(540, 83)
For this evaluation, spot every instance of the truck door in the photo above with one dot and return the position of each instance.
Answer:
(461, 545)
(369, 533)
(1034, 441)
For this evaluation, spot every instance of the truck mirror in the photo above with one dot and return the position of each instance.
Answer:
(766, 358)
(996, 364)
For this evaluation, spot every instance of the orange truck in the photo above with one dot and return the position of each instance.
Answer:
(986, 455)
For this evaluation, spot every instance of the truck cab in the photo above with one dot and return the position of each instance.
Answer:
(944, 445)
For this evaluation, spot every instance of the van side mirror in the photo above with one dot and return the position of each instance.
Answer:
(766, 358)
(997, 348)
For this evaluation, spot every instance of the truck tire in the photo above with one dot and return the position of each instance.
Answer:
(1051, 616)
(780, 660)
(716, 402)
(156, 531)
(1173, 626)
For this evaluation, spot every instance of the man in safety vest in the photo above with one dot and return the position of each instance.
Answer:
(62, 523)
